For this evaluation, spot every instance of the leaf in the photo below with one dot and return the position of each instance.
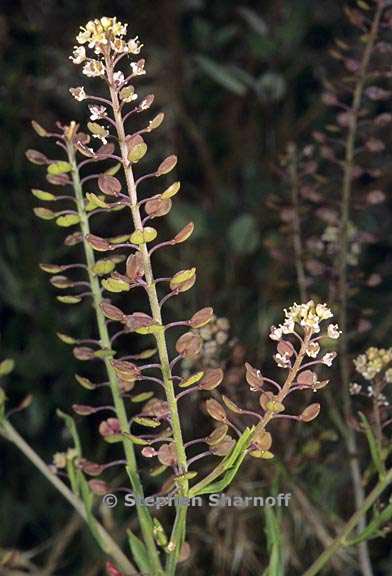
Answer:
(139, 553)
(221, 75)
(60, 167)
(68, 220)
(243, 234)
(6, 366)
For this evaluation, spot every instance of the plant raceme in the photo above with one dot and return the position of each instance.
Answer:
(107, 179)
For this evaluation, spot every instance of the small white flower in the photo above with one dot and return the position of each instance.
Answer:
(333, 331)
(134, 45)
(97, 112)
(313, 349)
(118, 78)
(138, 68)
(94, 68)
(370, 391)
(276, 333)
(388, 375)
(355, 388)
(323, 312)
(78, 93)
(79, 55)
(282, 360)
(328, 358)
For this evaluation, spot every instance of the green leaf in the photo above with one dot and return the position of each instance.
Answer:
(58, 168)
(68, 220)
(139, 553)
(274, 542)
(244, 235)
(7, 366)
(221, 75)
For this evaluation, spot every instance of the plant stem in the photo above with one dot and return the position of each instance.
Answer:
(110, 547)
(160, 337)
(350, 437)
(354, 521)
(297, 235)
(142, 511)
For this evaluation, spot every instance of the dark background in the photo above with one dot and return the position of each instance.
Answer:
(238, 81)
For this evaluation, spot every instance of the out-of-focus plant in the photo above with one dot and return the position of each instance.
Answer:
(155, 429)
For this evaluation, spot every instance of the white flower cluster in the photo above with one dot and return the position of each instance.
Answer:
(308, 315)
(373, 361)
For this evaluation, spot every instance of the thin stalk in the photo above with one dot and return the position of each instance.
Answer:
(142, 511)
(297, 235)
(156, 314)
(350, 437)
(354, 521)
(110, 547)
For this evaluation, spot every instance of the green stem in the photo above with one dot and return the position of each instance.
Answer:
(355, 519)
(142, 511)
(177, 539)
(343, 284)
(109, 546)
(152, 297)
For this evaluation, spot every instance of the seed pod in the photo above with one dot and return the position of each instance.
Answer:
(186, 382)
(147, 422)
(6, 366)
(95, 201)
(85, 382)
(146, 103)
(69, 299)
(157, 207)
(217, 435)
(115, 285)
(135, 267)
(138, 320)
(73, 239)
(157, 408)
(270, 403)
(310, 413)
(137, 148)
(184, 234)
(105, 150)
(166, 166)
(61, 282)
(99, 487)
(83, 353)
(126, 370)
(42, 195)
(58, 179)
(58, 168)
(44, 213)
(68, 220)
(189, 345)
(231, 405)
(109, 426)
(148, 234)
(149, 452)
(39, 129)
(112, 312)
(216, 410)
(66, 339)
(52, 268)
(224, 447)
(254, 378)
(211, 379)
(167, 454)
(36, 157)
(109, 185)
(183, 280)
(155, 122)
(83, 410)
(264, 454)
(99, 244)
(171, 191)
(90, 468)
(201, 318)
(306, 378)
(262, 439)
(285, 347)
(142, 397)
(103, 267)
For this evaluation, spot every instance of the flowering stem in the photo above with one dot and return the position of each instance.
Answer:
(143, 512)
(343, 281)
(109, 546)
(179, 526)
